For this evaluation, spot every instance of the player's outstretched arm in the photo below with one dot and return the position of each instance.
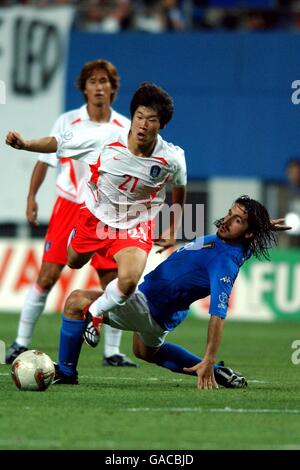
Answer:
(204, 369)
(43, 145)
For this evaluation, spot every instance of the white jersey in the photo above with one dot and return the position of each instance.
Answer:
(72, 175)
(124, 190)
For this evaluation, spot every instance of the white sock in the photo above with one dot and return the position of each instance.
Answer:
(33, 306)
(112, 340)
(112, 297)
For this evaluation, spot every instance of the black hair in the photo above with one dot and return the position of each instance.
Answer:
(152, 96)
(293, 161)
(264, 236)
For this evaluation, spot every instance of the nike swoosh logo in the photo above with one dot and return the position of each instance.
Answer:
(116, 158)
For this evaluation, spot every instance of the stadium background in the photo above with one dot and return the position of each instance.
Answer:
(236, 116)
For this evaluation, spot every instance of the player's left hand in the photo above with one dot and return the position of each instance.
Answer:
(164, 244)
(205, 372)
(32, 211)
(279, 225)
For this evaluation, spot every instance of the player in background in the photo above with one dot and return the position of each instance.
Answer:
(99, 83)
(207, 266)
(130, 171)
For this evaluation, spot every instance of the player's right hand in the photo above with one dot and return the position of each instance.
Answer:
(278, 225)
(205, 373)
(15, 140)
(32, 211)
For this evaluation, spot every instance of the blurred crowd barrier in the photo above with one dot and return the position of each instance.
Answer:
(156, 16)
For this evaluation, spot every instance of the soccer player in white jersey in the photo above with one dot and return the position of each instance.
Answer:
(129, 174)
(99, 83)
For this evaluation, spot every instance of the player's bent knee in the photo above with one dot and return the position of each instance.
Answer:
(139, 354)
(74, 305)
(77, 260)
(46, 282)
(47, 279)
(75, 264)
(128, 284)
(74, 260)
(144, 356)
(142, 353)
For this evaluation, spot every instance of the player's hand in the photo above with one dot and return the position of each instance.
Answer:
(279, 225)
(15, 140)
(164, 244)
(205, 372)
(32, 211)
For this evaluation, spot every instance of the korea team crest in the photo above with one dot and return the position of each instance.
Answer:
(154, 171)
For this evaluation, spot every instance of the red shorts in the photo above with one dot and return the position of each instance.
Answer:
(62, 222)
(103, 263)
(91, 235)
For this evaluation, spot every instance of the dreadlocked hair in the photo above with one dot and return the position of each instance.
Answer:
(264, 236)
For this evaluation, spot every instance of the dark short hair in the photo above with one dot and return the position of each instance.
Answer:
(152, 96)
(88, 70)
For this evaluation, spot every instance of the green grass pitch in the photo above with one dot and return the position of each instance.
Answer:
(152, 408)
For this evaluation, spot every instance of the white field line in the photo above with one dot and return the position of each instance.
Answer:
(289, 447)
(128, 379)
(227, 409)
(155, 379)
(28, 442)
(149, 379)
(257, 382)
(40, 443)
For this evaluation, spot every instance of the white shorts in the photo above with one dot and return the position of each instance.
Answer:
(135, 316)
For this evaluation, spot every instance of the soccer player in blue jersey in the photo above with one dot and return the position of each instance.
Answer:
(207, 266)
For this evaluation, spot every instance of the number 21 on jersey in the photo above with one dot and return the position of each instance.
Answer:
(129, 184)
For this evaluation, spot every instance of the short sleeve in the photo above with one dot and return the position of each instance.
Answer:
(179, 177)
(83, 144)
(57, 129)
(222, 276)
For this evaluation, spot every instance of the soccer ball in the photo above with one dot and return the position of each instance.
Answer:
(33, 370)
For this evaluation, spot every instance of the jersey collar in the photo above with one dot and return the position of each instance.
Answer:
(84, 116)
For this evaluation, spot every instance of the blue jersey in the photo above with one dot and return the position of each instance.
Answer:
(207, 266)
